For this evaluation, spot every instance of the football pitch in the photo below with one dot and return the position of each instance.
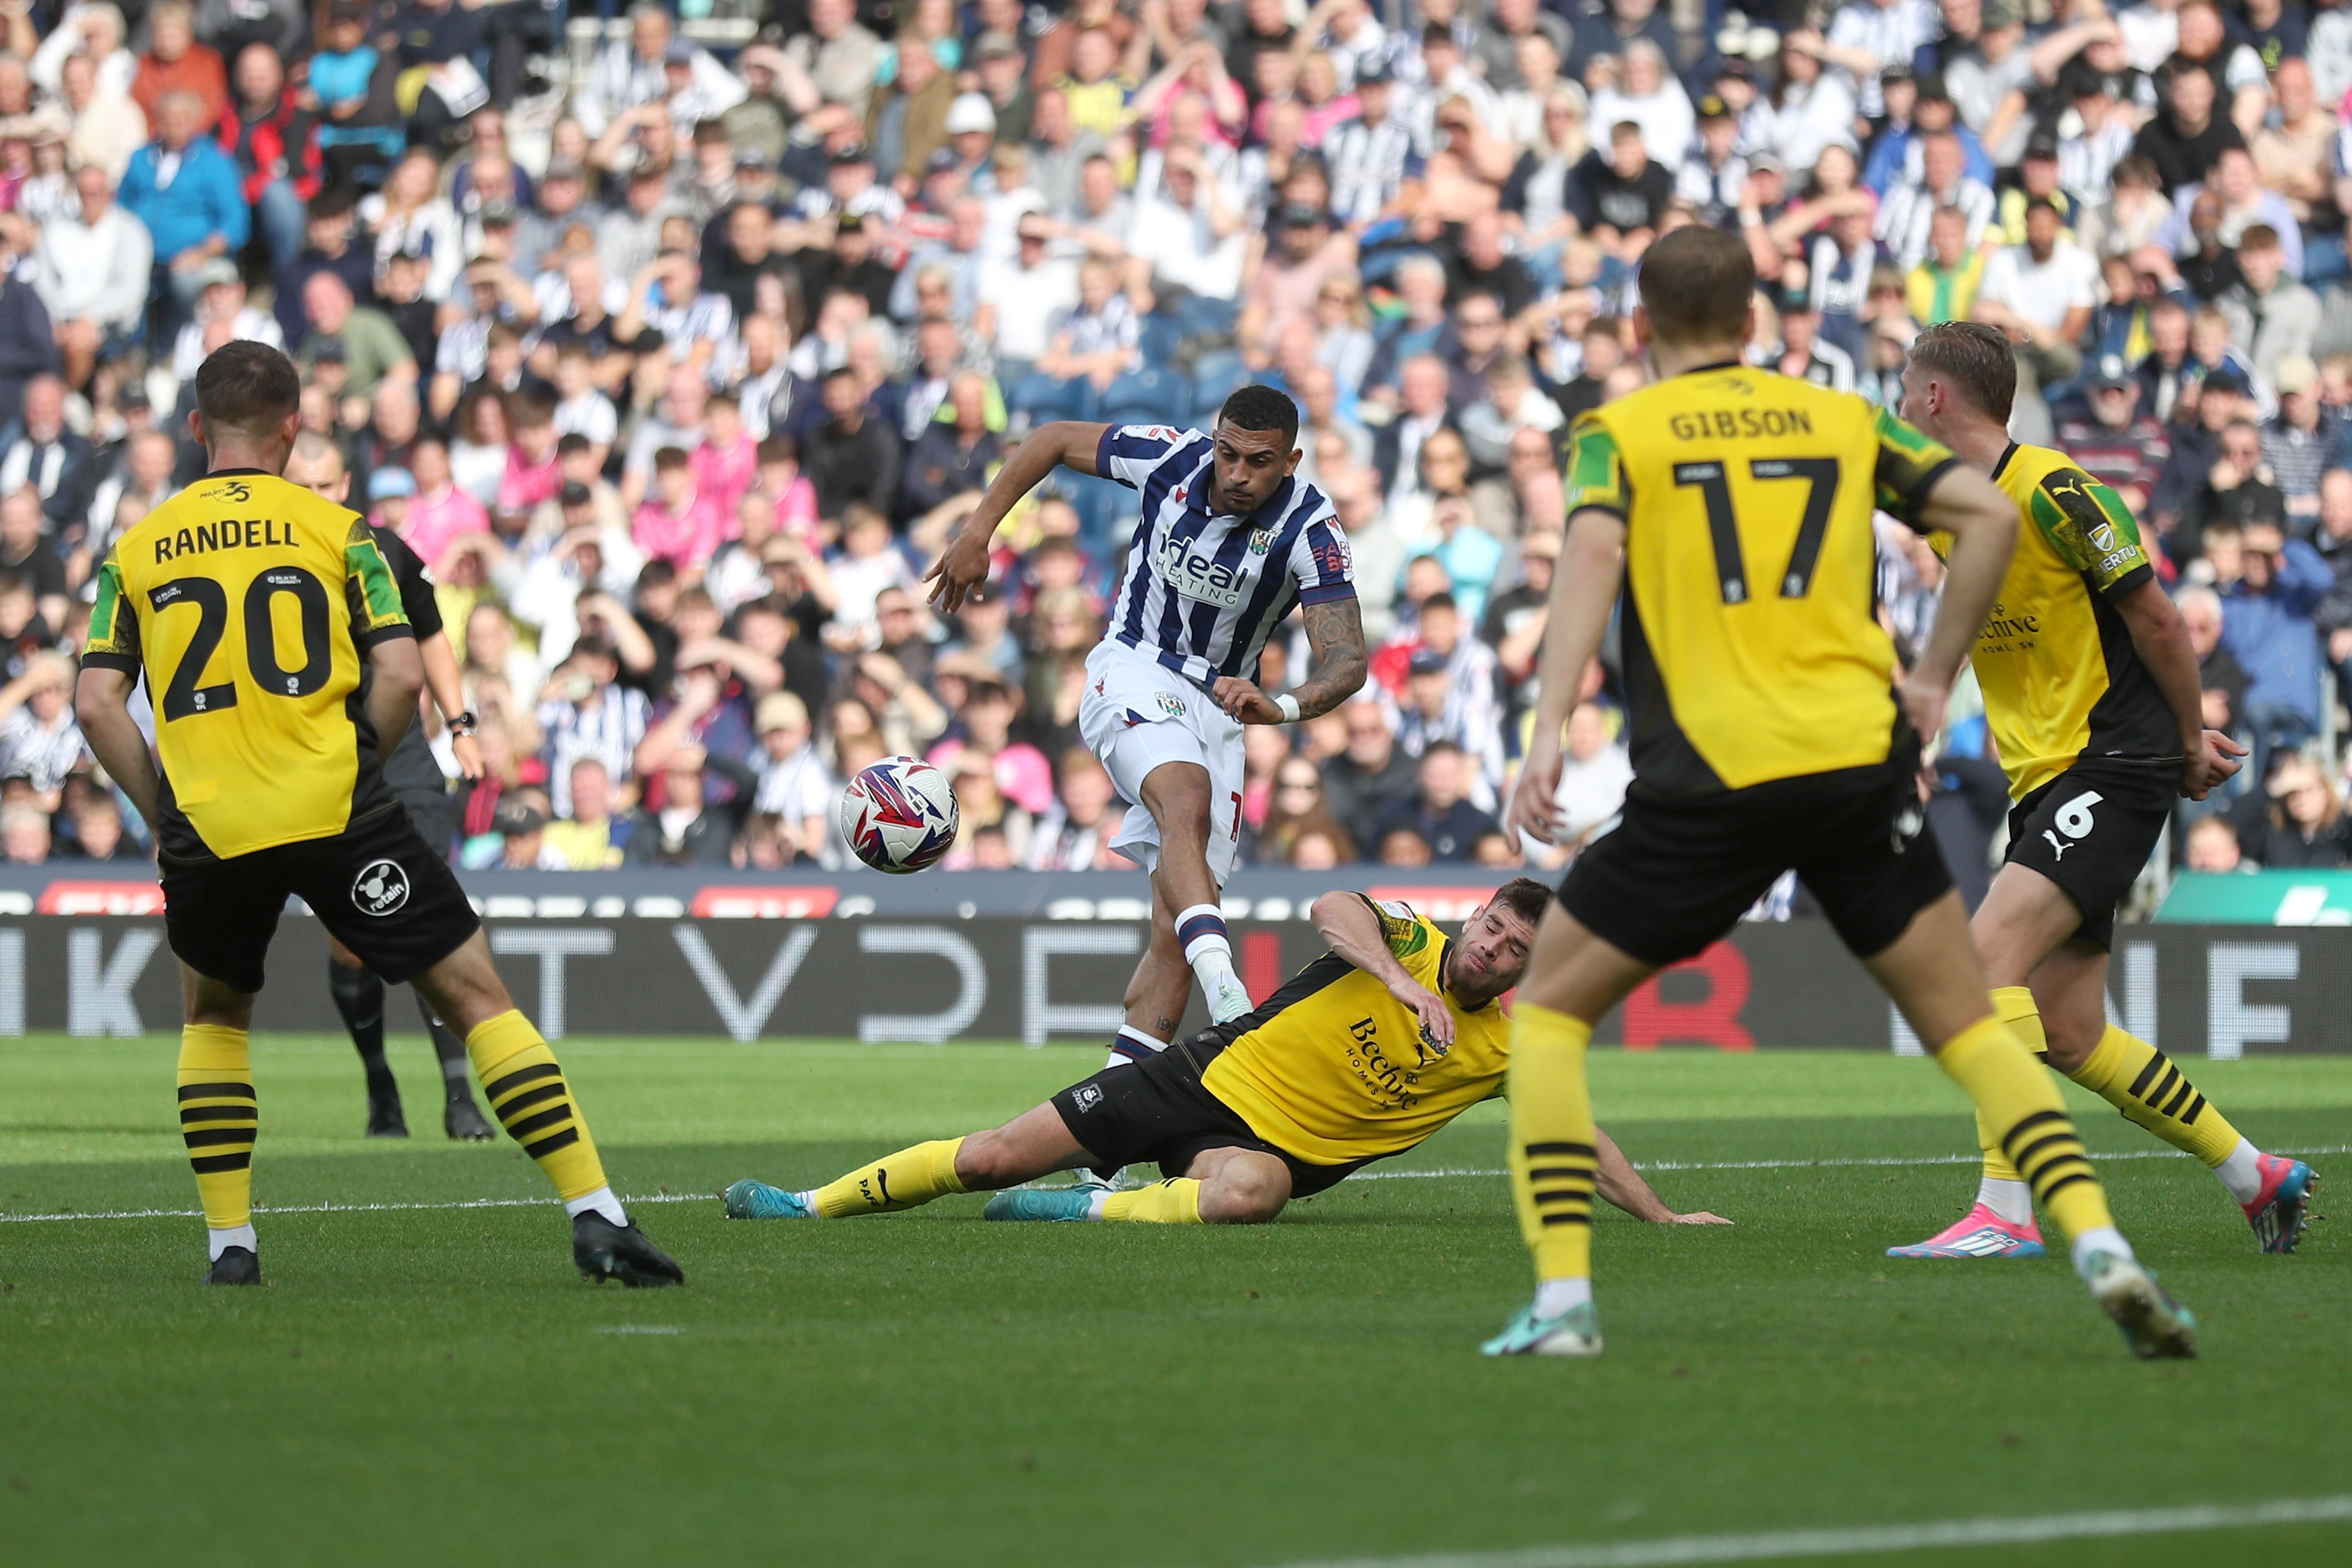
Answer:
(424, 1379)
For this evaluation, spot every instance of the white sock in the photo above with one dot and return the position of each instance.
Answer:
(1210, 951)
(1132, 1045)
(1095, 1203)
(2106, 1239)
(603, 1201)
(1554, 1297)
(809, 1199)
(220, 1241)
(2012, 1201)
(2241, 1172)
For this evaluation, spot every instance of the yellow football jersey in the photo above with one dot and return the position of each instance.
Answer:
(1752, 648)
(2061, 676)
(246, 603)
(1342, 1070)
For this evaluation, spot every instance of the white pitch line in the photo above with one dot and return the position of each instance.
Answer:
(1768, 1546)
(1416, 1175)
(1864, 1161)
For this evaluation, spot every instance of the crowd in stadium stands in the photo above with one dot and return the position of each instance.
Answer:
(678, 360)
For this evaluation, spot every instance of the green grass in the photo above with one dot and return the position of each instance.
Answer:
(423, 1385)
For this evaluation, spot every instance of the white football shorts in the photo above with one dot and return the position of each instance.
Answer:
(1137, 715)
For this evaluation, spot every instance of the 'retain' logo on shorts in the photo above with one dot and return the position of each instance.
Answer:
(1170, 704)
(381, 888)
(1086, 1097)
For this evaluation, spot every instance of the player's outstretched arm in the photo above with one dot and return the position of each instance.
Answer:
(1622, 1186)
(1335, 640)
(396, 679)
(1583, 590)
(102, 705)
(1983, 522)
(2208, 757)
(1063, 444)
(1349, 925)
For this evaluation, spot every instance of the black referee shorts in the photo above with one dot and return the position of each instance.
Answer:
(1157, 1112)
(2091, 830)
(1676, 874)
(376, 886)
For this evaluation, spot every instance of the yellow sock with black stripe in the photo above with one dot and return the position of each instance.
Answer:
(1175, 1202)
(2142, 1083)
(2017, 1099)
(2003, 1190)
(528, 1094)
(219, 1120)
(1552, 1158)
(905, 1180)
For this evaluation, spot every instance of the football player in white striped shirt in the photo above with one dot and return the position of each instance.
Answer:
(1228, 542)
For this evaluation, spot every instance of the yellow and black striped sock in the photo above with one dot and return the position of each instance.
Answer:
(527, 1092)
(1174, 1202)
(1552, 1158)
(2142, 1082)
(2017, 1099)
(2013, 1005)
(219, 1120)
(905, 1180)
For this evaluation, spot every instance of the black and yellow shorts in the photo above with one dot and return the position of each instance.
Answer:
(2092, 829)
(376, 886)
(1157, 1112)
(1676, 873)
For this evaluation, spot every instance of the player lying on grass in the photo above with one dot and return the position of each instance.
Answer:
(2101, 723)
(1366, 1052)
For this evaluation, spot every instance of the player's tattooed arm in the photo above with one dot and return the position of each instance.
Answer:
(1335, 636)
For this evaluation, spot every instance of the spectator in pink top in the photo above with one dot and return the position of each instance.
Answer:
(533, 476)
(727, 459)
(779, 458)
(678, 523)
(441, 511)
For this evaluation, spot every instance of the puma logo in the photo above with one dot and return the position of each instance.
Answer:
(2058, 847)
(882, 1180)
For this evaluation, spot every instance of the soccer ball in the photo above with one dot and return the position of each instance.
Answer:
(899, 814)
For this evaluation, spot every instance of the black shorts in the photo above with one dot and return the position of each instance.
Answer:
(1157, 1110)
(376, 886)
(2091, 830)
(433, 819)
(1676, 874)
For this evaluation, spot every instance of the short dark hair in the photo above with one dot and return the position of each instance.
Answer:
(1974, 357)
(1524, 897)
(1258, 408)
(248, 385)
(572, 444)
(1697, 284)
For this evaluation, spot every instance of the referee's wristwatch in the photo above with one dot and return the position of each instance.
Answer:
(465, 723)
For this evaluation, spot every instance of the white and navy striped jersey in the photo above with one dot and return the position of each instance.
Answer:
(1202, 593)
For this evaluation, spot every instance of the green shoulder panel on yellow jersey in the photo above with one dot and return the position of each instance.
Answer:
(1596, 477)
(113, 629)
(2060, 677)
(1752, 645)
(246, 603)
(376, 609)
(2090, 528)
(1405, 931)
(1909, 464)
(1334, 1069)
